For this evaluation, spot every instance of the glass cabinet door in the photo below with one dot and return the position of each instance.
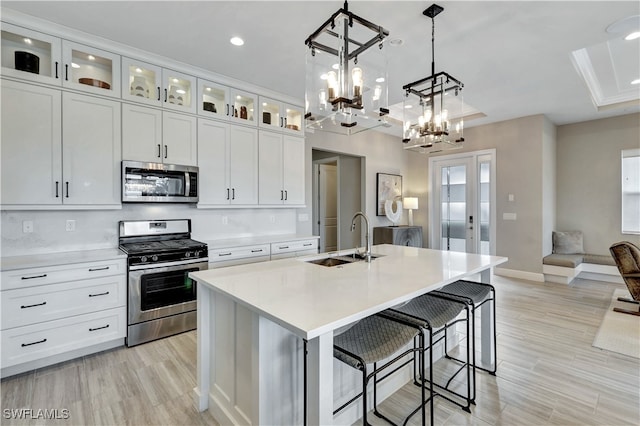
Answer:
(243, 107)
(91, 70)
(270, 113)
(213, 100)
(292, 118)
(178, 91)
(141, 82)
(30, 55)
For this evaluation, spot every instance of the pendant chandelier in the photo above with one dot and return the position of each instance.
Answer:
(433, 106)
(346, 75)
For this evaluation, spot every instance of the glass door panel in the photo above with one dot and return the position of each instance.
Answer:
(293, 119)
(243, 107)
(30, 55)
(485, 207)
(270, 113)
(141, 82)
(90, 69)
(214, 100)
(178, 91)
(454, 208)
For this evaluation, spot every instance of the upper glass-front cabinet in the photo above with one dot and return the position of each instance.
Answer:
(243, 106)
(30, 55)
(213, 100)
(141, 82)
(178, 90)
(275, 114)
(91, 70)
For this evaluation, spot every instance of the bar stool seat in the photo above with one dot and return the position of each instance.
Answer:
(371, 340)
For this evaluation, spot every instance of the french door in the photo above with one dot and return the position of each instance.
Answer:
(462, 202)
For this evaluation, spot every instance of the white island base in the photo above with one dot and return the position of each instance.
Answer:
(252, 319)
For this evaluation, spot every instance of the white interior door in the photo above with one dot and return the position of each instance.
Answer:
(462, 205)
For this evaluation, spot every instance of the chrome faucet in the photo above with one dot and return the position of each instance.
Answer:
(367, 239)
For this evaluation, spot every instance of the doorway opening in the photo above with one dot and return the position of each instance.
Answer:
(338, 193)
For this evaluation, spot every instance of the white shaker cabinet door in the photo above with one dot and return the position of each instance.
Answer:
(141, 134)
(91, 150)
(31, 145)
(293, 169)
(270, 168)
(243, 165)
(180, 142)
(213, 160)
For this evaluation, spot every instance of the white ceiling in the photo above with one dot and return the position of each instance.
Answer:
(514, 57)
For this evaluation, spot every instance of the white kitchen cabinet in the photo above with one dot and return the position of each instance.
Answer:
(294, 248)
(240, 255)
(243, 107)
(47, 49)
(31, 150)
(153, 85)
(91, 154)
(228, 162)
(276, 115)
(281, 166)
(156, 136)
(213, 100)
(90, 70)
(38, 169)
(60, 312)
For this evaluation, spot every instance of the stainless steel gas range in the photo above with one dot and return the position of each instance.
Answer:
(161, 296)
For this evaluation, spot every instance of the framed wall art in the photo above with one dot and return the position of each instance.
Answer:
(388, 187)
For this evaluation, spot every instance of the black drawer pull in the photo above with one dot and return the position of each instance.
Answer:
(34, 343)
(35, 276)
(256, 251)
(98, 269)
(33, 306)
(307, 244)
(99, 328)
(283, 247)
(224, 254)
(99, 294)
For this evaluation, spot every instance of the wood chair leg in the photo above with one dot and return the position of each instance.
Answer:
(626, 311)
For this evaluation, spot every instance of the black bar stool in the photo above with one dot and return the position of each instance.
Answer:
(435, 313)
(372, 340)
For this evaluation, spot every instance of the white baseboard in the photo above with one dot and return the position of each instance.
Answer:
(523, 275)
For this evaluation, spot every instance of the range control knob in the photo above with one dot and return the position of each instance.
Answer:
(143, 259)
(187, 254)
(196, 253)
(154, 258)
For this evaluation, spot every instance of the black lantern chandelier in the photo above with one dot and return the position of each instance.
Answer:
(433, 107)
(346, 77)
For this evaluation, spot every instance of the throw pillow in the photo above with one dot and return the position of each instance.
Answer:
(569, 242)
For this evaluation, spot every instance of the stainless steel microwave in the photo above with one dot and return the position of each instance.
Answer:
(159, 183)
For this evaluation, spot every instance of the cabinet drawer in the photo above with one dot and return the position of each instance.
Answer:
(32, 342)
(45, 303)
(223, 255)
(21, 278)
(294, 246)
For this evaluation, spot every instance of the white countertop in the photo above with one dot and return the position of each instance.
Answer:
(310, 300)
(249, 241)
(10, 263)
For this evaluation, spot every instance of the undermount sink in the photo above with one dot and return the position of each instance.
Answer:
(340, 260)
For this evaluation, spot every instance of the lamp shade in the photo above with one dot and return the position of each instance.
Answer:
(410, 203)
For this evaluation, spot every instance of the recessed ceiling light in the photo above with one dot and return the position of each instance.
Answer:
(396, 42)
(636, 81)
(632, 36)
(236, 41)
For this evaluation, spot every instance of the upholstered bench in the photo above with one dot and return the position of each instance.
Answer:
(568, 260)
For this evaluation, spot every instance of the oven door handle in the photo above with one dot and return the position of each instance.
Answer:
(168, 264)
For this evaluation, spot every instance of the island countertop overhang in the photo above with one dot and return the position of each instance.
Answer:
(310, 300)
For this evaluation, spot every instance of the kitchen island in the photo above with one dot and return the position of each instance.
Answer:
(252, 320)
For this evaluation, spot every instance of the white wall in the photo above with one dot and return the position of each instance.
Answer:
(99, 228)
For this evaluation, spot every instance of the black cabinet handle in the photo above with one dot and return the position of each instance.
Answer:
(256, 251)
(224, 254)
(35, 276)
(283, 247)
(166, 151)
(286, 195)
(66, 72)
(57, 195)
(227, 109)
(227, 193)
(165, 95)
(33, 306)
(104, 268)
(159, 151)
(99, 328)
(99, 294)
(57, 69)
(34, 343)
(285, 122)
(307, 244)
(158, 92)
(67, 183)
(281, 195)
(233, 193)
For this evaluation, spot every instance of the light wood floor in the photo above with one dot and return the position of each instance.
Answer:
(548, 373)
